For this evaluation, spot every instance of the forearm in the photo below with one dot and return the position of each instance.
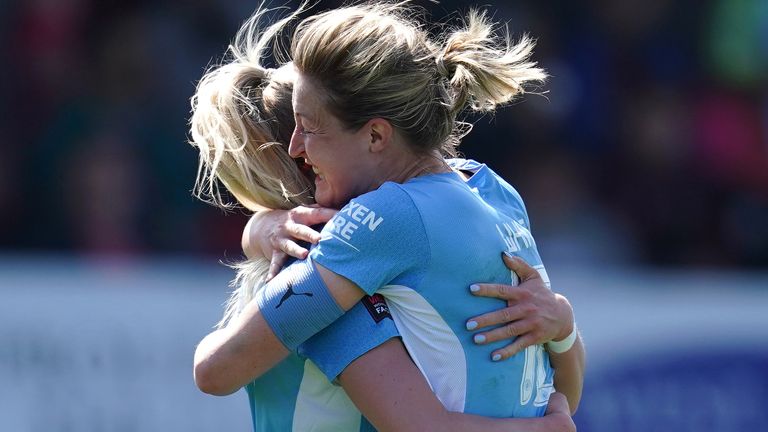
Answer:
(468, 422)
(403, 400)
(298, 303)
(229, 358)
(569, 372)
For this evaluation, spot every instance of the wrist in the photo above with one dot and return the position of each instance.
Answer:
(565, 331)
(566, 318)
(250, 247)
(559, 346)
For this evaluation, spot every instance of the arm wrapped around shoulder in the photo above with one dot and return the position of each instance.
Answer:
(297, 304)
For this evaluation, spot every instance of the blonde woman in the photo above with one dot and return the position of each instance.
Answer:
(253, 178)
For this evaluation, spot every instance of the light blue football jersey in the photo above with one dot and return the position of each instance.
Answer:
(421, 244)
(296, 396)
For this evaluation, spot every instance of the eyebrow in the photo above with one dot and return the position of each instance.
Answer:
(305, 119)
(303, 116)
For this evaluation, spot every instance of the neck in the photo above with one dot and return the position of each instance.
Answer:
(418, 165)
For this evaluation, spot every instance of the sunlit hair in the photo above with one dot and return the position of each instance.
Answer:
(242, 120)
(377, 61)
(371, 61)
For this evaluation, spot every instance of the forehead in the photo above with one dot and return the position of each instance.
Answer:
(306, 98)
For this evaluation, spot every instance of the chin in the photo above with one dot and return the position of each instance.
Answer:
(323, 200)
(329, 202)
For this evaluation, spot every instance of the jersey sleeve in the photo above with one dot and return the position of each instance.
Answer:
(375, 239)
(364, 327)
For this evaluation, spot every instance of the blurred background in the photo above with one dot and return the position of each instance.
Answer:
(644, 166)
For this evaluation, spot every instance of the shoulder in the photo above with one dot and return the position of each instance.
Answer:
(390, 200)
(383, 216)
(380, 230)
(464, 164)
(492, 176)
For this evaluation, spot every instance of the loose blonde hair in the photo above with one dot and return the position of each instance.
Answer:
(241, 123)
(376, 60)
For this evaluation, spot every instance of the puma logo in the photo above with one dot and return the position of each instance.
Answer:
(290, 293)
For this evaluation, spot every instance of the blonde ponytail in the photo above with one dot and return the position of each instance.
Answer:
(482, 72)
(376, 60)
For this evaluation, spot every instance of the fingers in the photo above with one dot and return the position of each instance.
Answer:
(507, 292)
(501, 316)
(519, 266)
(276, 264)
(312, 215)
(284, 248)
(291, 248)
(559, 414)
(303, 232)
(499, 291)
(518, 345)
(558, 404)
(509, 331)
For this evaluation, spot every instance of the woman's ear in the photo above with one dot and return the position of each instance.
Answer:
(381, 134)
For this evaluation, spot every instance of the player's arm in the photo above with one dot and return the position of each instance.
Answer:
(363, 351)
(534, 315)
(391, 392)
(282, 316)
(569, 371)
(307, 297)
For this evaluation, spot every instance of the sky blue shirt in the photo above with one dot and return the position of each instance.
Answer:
(422, 244)
(425, 275)
(296, 396)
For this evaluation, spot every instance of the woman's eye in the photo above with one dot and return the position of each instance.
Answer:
(302, 131)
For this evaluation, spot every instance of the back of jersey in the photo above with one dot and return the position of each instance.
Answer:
(467, 226)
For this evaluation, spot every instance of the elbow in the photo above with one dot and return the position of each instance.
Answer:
(210, 381)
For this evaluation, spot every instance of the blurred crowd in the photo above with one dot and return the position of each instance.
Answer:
(648, 145)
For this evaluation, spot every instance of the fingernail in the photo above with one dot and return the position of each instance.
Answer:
(509, 255)
(474, 288)
(496, 357)
(471, 325)
(479, 338)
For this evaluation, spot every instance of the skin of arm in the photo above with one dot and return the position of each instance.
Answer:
(569, 372)
(252, 248)
(403, 401)
(229, 358)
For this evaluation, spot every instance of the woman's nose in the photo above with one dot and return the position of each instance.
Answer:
(296, 146)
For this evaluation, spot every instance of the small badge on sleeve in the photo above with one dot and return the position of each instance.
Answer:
(377, 307)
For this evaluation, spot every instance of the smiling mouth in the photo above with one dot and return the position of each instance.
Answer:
(306, 168)
(314, 170)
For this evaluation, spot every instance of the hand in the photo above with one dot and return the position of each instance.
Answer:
(534, 314)
(559, 414)
(274, 234)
